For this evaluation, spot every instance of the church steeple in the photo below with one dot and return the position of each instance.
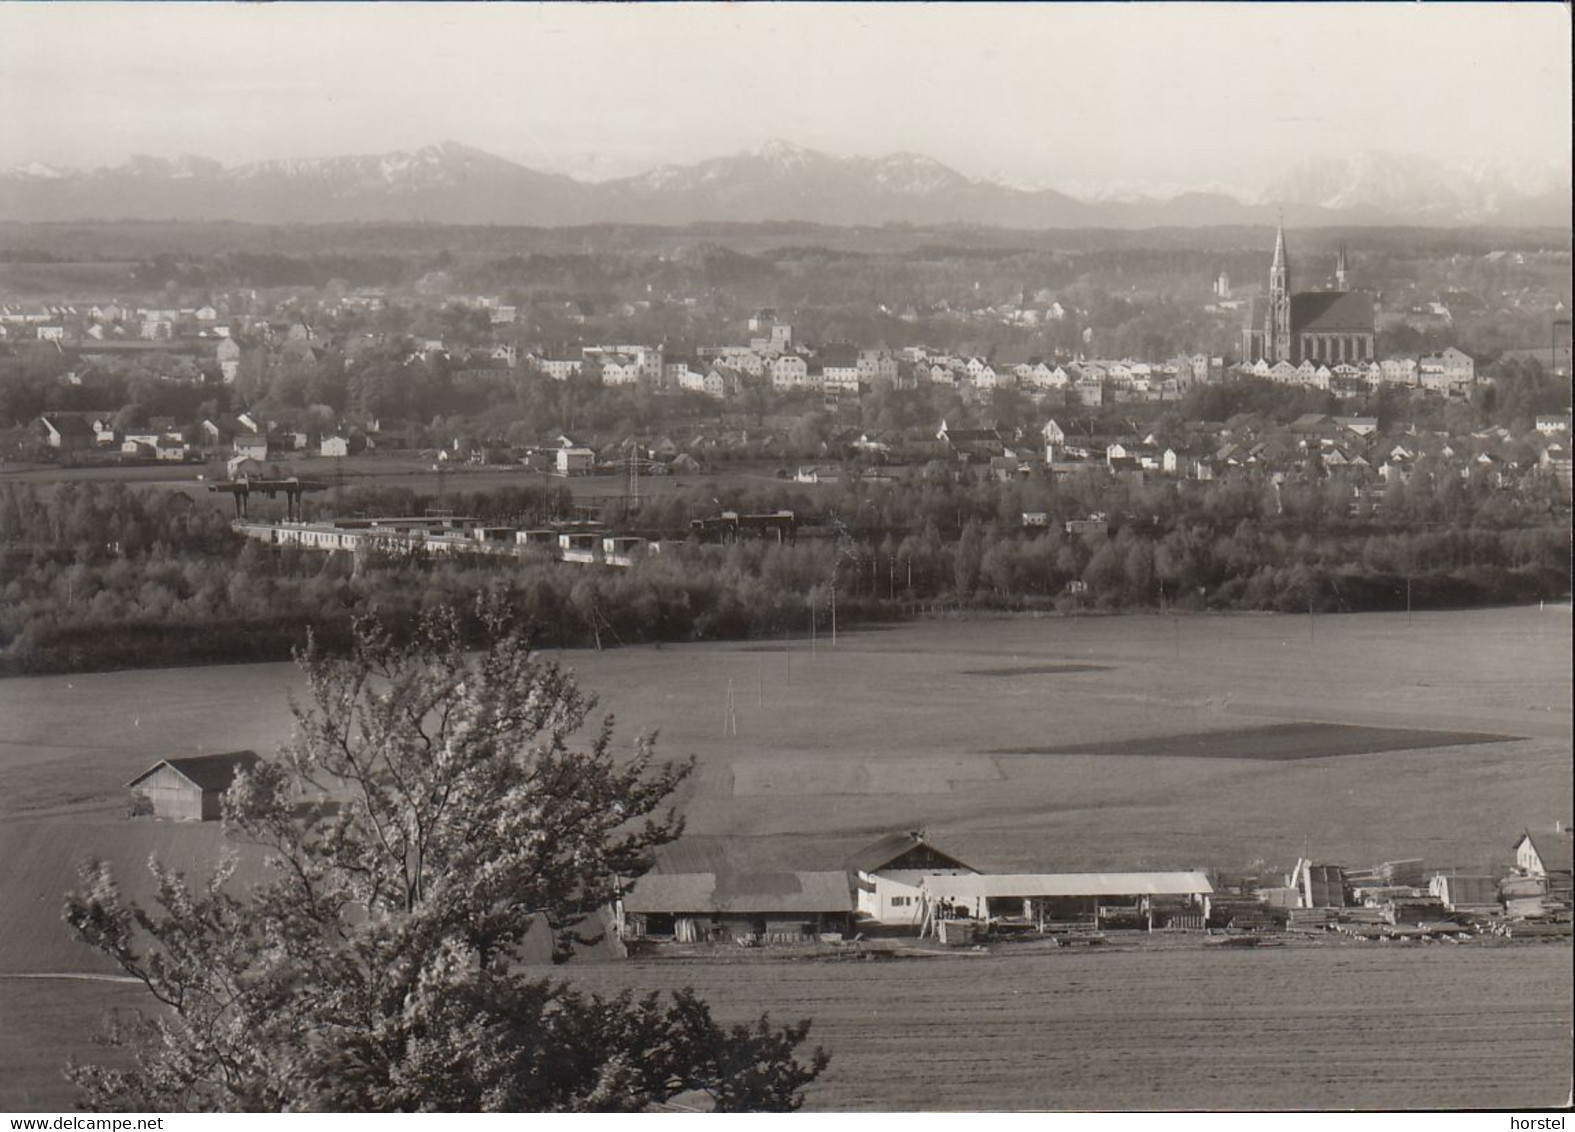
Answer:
(1278, 332)
(1340, 272)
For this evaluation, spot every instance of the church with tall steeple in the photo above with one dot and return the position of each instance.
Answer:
(1327, 327)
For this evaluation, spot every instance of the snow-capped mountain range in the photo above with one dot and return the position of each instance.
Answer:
(455, 183)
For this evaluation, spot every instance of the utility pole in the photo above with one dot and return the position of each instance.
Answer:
(833, 606)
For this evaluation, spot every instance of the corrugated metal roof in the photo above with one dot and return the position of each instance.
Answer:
(209, 772)
(1066, 884)
(741, 892)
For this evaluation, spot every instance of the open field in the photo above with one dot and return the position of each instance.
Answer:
(1036, 670)
(1194, 1028)
(1296, 1027)
(1275, 743)
(887, 730)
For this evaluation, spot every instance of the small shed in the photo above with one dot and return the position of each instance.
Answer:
(189, 789)
(1466, 893)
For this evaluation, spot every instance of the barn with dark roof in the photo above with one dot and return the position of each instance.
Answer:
(189, 789)
(776, 907)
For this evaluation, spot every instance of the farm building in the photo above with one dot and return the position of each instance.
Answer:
(890, 873)
(1318, 886)
(1463, 893)
(1178, 899)
(1539, 858)
(763, 907)
(189, 789)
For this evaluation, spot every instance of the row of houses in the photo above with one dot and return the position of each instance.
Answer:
(447, 535)
(1449, 373)
(242, 437)
(726, 372)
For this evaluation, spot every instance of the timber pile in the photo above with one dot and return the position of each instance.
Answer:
(1313, 919)
(1419, 911)
(1244, 914)
(1544, 929)
(1378, 895)
(1364, 915)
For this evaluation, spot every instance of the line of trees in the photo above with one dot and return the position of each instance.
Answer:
(105, 577)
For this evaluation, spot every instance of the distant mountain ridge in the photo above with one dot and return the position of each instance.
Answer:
(459, 184)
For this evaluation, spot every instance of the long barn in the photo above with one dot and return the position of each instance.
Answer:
(1067, 897)
(189, 789)
(770, 907)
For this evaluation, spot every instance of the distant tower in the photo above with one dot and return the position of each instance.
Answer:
(1277, 332)
(1340, 272)
(1222, 286)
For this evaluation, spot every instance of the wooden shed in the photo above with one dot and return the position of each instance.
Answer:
(189, 789)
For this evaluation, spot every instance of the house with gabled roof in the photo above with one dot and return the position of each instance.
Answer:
(1540, 858)
(190, 789)
(67, 432)
(889, 874)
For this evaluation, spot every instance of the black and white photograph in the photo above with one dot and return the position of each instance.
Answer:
(736, 557)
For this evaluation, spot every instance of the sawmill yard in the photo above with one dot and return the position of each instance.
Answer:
(1021, 744)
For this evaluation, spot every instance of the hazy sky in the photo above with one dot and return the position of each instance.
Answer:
(1058, 94)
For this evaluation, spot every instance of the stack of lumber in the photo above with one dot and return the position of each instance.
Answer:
(1539, 929)
(1423, 910)
(1313, 919)
(1407, 873)
(1377, 895)
(1365, 915)
(1243, 914)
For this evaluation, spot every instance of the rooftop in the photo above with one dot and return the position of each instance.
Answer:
(741, 892)
(209, 772)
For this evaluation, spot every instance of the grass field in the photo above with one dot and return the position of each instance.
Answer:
(1194, 1028)
(1273, 743)
(893, 729)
